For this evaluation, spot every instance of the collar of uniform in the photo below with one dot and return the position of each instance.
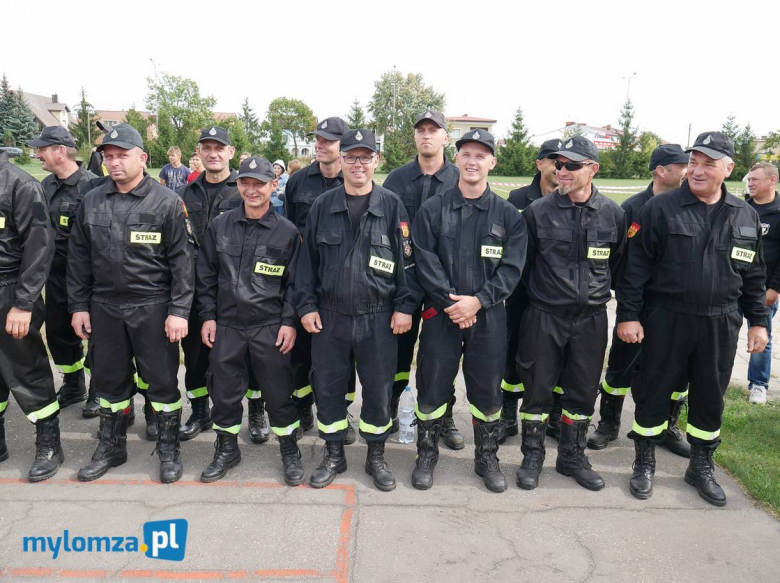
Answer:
(142, 189)
(688, 197)
(74, 178)
(594, 202)
(772, 207)
(231, 179)
(535, 192)
(439, 174)
(482, 203)
(267, 220)
(339, 204)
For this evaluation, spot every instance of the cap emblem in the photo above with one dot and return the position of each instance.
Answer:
(253, 164)
(707, 140)
(560, 144)
(213, 132)
(476, 135)
(114, 134)
(324, 125)
(359, 136)
(428, 114)
(569, 144)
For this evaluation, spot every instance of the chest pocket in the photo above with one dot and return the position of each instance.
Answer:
(744, 247)
(144, 233)
(491, 246)
(381, 259)
(227, 205)
(269, 261)
(328, 248)
(447, 238)
(555, 246)
(98, 225)
(599, 250)
(66, 212)
(681, 241)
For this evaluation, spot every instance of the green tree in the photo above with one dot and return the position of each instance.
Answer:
(6, 107)
(85, 130)
(516, 156)
(744, 152)
(648, 141)
(292, 115)
(572, 130)
(16, 118)
(356, 117)
(252, 126)
(625, 151)
(135, 118)
(275, 148)
(238, 137)
(731, 127)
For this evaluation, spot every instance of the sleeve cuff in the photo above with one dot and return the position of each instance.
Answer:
(288, 322)
(73, 308)
(206, 316)
(405, 309)
(180, 312)
(627, 317)
(23, 305)
(757, 322)
(483, 300)
(307, 309)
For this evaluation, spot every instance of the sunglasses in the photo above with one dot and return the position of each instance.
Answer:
(571, 166)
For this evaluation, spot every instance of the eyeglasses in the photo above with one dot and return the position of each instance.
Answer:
(363, 159)
(572, 166)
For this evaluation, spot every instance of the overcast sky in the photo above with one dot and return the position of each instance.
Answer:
(696, 62)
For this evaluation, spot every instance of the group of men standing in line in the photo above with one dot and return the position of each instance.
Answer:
(286, 312)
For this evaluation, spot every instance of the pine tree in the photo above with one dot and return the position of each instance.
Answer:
(624, 153)
(6, 104)
(516, 156)
(252, 126)
(744, 152)
(356, 118)
(16, 115)
(731, 127)
(85, 130)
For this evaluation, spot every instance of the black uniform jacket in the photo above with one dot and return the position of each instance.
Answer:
(678, 262)
(769, 215)
(355, 276)
(201, 210)
(64, 198)
(26, 237)
(131, 249)
(572, 252)
(458, 255)
(302, 190)
(522, 197)
(246, 270)
(414, 188)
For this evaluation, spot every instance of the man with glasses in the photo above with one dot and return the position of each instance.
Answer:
(352, 296)
(576, 238)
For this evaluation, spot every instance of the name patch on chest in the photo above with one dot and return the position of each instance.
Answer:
(267, 269)
(741, 254)
(598, 252)
(2, 222)
(492, 252)
(148, 238)
(382, 264)
(64, 221)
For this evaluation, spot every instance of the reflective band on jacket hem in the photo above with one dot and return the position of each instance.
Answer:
(333, 427)
(47, 411)
(505, 386)
(615, 391)
(302, 392)
(75, 367)
(140, 383)
(350, 397)
(705, 435)
(432, 415)
(166, 407)
(533, 417)
(368, 428)
(677, 396)
(250, 394)
(199, 392)
(3, 405)
(120, 406)
(650, 431)
(558, 390)
(575, 417)
(402, 376)
(232, 430)
(486, 418)
(283, 431)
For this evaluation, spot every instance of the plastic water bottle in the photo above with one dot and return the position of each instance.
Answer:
(406, 417)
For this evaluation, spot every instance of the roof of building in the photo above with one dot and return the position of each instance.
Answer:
(42, 106)
(466, 118)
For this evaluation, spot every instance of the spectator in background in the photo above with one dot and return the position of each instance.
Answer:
(243, 156)
(277, 196)
(196, 167)
(174, 175)
(293, 167)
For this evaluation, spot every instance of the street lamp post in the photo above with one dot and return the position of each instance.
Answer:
(628, 84)
(156, 104)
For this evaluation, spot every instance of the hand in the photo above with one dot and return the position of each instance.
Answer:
(771, 297)
(175, 328)
(468, 323)
(464, 308)
(17, 324)
(285, 339)
(757, 339)
(208, 333)
(631, 332)
(81, 324)
(311, 323)
(400, 323)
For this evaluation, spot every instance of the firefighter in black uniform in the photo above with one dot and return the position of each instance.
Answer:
(470, 247)
(429, 174)
(64, 188)
(26, 254)
(352, 295)
(576, 237)
(543, 183)
(245, 277)
(694, 260)
(301, 191)
(130, 288)
(668, 164)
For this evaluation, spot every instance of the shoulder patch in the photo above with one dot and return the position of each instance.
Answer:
(404, 229)
(633, 229)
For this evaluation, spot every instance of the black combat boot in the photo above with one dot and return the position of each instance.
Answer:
(226, 456)
(112, 448)
(485, 455)
(449, 433)
(641, 483)
(610, 408)
(507, 425)
(377, 467)
(92, 406)
(701, 475)
(674, 440)
(129, 414)
(3, 446)
(73, 389)
(291, 460)
(394, 402)
(572, 460)
(200, 420)
(168, 447)
(427, 453)
(333, 462)
(554, 420)
(306, 418)
(259, 431)
(533, 454)
(48, 451)
(150, 419)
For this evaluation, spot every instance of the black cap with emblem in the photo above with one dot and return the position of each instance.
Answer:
(215, 133)
(361, 138)
(53, 136)
(258, 168)
(548, 149)
(666, 154)
(716, 145)
(436, 117)
(331, 128)
(577, 149)
(122, 136)
(480, 137)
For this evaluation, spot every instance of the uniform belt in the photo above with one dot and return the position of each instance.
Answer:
(236, 323)
(673, 305)
(570, 311)
(349, 309)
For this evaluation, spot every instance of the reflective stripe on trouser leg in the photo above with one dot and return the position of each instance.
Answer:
(482, 416)
(505, 386)
(534, 416)
(435, 414)
(615, 391)
(253, 395)
(199, 392)
(701, 434)
(680, 395)
(70, 368)
(302, 392)
(289, 430)
(114, 407)
(232, 430)
(368, 428)
(47, 411)
(574, 416)
(650, 431)
(3, 406)
(166, 407)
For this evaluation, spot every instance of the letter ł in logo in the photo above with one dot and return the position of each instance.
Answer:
(165, 539)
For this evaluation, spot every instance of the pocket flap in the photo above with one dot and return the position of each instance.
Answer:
(266, 251)
(748, 232)
(607, 236)
(685, 229)
(328, 238)
(556, 234)
(99, 219)
(380, 240)
(497, 231)
(229, 248)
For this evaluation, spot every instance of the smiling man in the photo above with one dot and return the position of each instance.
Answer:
(694, 260)
(245, 276)
(576, 238)
(470, 247)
